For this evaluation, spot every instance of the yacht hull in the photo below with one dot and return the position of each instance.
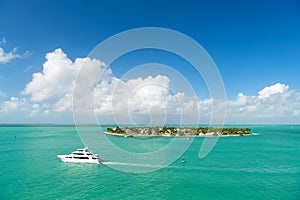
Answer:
(74, 160)
(83, 156)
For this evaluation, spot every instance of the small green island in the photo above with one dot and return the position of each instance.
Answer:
(175, 131)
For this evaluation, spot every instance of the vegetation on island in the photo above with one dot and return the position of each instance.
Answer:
(175, 131)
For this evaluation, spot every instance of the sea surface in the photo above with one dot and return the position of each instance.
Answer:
(266, 166)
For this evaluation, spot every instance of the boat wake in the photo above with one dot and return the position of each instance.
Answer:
(186, 167)
(134, 164)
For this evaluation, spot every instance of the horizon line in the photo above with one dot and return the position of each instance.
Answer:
(72, 124)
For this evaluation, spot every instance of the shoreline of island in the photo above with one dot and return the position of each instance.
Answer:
(168, 136)
(152, 132)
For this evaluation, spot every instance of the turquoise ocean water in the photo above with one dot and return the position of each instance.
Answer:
(259, 167)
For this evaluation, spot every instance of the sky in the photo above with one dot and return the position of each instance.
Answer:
(254, 44)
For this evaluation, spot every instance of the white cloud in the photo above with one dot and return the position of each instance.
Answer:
(54, 87)
(272, 102)
(56, 82)
(14, 104)
(139, 100)
(144, 100)
(6, 57)
(142, 94)
(273, 89)
(21, 110)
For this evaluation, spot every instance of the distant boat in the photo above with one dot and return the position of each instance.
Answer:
(81, 156)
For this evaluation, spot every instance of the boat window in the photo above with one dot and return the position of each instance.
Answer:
(78, 153)
(81, 157)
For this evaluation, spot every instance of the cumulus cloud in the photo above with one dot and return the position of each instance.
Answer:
(274, 101)
(125, 100)
(139, 97)
(56, 81)
(58, 71)
(137, 100)
(14, 104)
(21, 110)
(277, 88)
(142, 94)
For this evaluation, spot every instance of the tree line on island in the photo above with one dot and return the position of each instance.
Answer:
(178, 131)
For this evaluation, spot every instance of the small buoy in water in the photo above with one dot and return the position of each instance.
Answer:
(182, 160)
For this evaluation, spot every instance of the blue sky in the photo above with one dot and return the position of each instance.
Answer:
(255, 44)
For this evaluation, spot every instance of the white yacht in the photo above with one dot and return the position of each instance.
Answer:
(81, 156)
